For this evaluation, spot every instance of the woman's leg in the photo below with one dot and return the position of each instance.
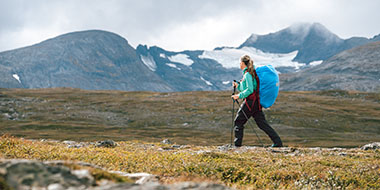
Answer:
(240, 120)
(264, 125)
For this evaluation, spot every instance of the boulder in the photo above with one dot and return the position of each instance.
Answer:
(106, 143)
(166, 141)
(140, 178)
(27, 174)
(372, 146)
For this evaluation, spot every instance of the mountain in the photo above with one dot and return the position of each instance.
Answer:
(97, 59)
(313, 41)
(208, 69)
(354, 69)
(89, 60)
(187, 71)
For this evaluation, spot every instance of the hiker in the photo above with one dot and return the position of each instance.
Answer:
(251, 104)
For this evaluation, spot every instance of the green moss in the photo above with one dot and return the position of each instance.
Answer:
(3, 184)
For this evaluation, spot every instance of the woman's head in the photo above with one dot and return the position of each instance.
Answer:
(247, 62)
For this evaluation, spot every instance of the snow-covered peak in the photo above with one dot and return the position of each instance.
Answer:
(303, 29)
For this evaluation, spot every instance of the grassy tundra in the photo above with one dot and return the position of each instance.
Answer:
(325, 119)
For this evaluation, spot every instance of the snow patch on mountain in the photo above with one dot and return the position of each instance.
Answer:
(181, 58)
(16, 77)
(315, 63)
(173, 66)
(149, 62)
(230, 57)
(162, 55)
(206, 81)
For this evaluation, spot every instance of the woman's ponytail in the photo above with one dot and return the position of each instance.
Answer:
(249, 63)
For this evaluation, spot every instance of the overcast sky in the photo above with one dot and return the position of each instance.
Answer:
(180, 24)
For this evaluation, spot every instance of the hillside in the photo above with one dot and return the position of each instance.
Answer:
(354, 69)
(326, 118)
(88, 59)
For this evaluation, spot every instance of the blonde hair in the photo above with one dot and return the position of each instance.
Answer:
(249, 63)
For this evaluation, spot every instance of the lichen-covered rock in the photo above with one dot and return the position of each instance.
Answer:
(26, 174)
(375, 145)
(140, 178)
(106, 143)
(53, 175)
(166, 141)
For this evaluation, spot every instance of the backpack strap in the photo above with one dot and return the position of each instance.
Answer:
(255, 95)
(257, 89)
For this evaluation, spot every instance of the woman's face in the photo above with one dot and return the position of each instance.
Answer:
(242, 65)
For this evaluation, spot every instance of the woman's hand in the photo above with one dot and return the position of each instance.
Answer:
(235, 97)
(234, 84)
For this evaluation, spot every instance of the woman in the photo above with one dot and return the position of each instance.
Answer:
(251, 105)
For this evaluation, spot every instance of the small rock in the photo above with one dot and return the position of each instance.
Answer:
(197, 186)
(79, 145)
(336, 149)
(342, 154)
(69, 142)
(55, 186)
(165, 148)
(372, 146)
(176, 186)
(283, 150)
(140, 178)
(7, 115)
(226, 147)
(106, 143)
(316, 149)
(166, 141)
(15, 115)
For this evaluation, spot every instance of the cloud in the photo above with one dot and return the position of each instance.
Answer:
(180, 25)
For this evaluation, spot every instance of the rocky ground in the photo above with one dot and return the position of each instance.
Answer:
(35, 171)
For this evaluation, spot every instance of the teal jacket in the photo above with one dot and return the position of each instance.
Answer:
(247, 86)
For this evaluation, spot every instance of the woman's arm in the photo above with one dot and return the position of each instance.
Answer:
(246, 86)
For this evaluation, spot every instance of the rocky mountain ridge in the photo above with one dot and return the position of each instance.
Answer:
(100, 60)
(88, 60)
(354, 69)
(313, 41)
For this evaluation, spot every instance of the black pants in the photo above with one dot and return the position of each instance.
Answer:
(259, 117)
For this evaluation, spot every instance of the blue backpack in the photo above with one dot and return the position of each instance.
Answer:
(269, 85)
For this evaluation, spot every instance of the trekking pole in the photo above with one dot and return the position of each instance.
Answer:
(233, 114)
(251, 124)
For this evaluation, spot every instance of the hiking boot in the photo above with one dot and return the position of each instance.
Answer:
(275, 145)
